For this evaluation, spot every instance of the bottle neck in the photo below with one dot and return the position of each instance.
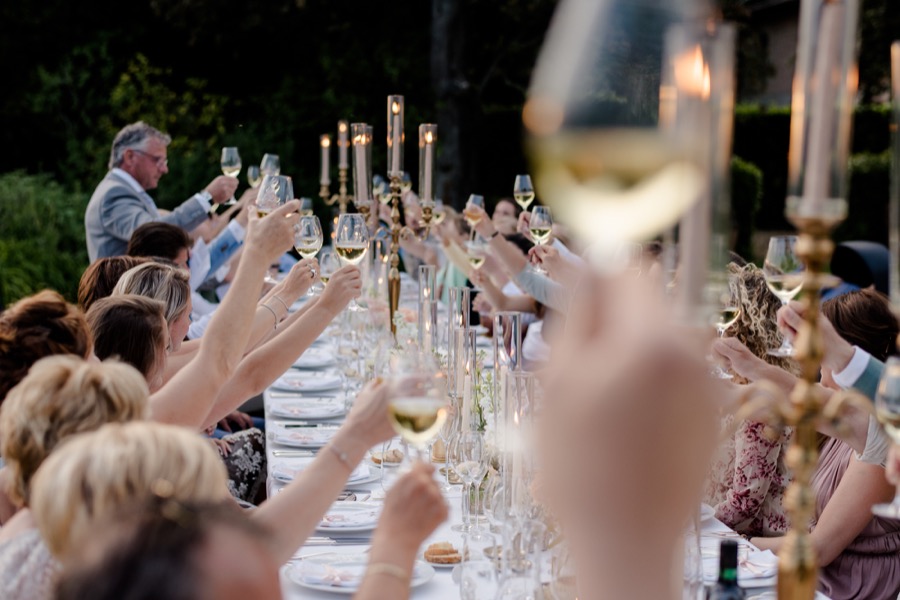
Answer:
(728, 575)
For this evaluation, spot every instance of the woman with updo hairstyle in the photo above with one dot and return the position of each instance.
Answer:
(60, 397)
(35, 327)
(99, 279)
(169, 285)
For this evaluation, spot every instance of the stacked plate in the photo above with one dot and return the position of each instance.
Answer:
(302, 437)
(307, 383)
(322, 407)
(342, 573)
(286, 469)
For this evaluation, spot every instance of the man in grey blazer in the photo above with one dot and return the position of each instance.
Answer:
(120, 204)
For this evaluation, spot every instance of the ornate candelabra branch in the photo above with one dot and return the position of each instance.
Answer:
(394, 271)
(341, 197)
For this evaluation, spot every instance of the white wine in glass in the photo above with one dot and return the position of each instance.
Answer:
(540, 226)
(476, 252)
(270, 164)
(328, 264)
(472, 217)
(231, 166)
(887, 409)
(254, 177)
(351, 243)
(417, 419)
(523, 191)
(308, 236)
(783, 270)
(439, 213)
(274, 191)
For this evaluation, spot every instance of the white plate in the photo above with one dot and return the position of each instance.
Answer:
(297, 381)
(315, 358)
(286, 469)
(354, 564)
(343, 510)
(303, 437)
(438, 565)
(306, 408)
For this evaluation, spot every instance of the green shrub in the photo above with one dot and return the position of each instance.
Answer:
(41, 236)
(867, 198)
(746, 192)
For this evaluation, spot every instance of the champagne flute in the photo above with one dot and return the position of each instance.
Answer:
(274, 191)
(887, 409)
(270, 164)
(351, 244)
(418, 405)
(231, 166)
(254, 177)
(783, 270)
(306, 207)
(468, 457)
(523, 191)
(540, 226)
(308, 240)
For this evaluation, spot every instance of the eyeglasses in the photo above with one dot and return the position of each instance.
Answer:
(161, 161)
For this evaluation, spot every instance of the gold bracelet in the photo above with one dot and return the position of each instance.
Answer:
(388, 569)
(286, 309)
(271, 310)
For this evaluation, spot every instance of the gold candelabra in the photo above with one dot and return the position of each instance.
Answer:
(341, 197)
(394, 271)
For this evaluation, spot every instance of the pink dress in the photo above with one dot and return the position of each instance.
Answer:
(869, 568)
(747, 481)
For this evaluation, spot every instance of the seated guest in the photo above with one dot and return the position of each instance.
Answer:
(748, 478)
(164, 548)
(99, 279)
(506, 216)
(78, 491)
(60, 397)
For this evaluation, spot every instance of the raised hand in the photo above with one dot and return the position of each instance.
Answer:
(222, 188)
(273, 235)
(342, 287)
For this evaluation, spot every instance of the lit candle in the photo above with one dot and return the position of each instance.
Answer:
(429, 159)
(343, 142)
(427, 307)
(325, 143)
(359, 155)
(396, 133)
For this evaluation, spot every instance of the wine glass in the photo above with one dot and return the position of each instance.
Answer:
(270, 165)
(727, 316)
(274, 191)
(231, 166)
(523, 191)
(540, 226)
(783, 270)
(476, 250)
(254, 177)
(609, 155)
(445, 434)
(418, 405)
(468, 457)
(328, 265)
(439, 214)
(306, 207)
(471, 217)
(308, 240)
(351, 243)
(479, 566)
(887, 409)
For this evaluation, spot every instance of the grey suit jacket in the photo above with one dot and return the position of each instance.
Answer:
(116, 210)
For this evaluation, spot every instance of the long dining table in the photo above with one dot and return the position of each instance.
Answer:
(366, 483)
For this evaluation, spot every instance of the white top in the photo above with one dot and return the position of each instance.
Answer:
(877, 442)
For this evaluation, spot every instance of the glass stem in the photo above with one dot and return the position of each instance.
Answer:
(466, 518)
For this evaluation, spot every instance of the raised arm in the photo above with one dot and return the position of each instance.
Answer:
(293, 514)
(187, 397)
(510, 256)
(265, 364)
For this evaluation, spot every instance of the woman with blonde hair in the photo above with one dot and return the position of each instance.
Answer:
(60, 397)
(748, 477)
(169, 285)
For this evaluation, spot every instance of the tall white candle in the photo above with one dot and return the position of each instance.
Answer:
(361, 168)
(429, 159)
(820, 142)
(428, 322)
(325, 142)
(343, 143)
(395, 145)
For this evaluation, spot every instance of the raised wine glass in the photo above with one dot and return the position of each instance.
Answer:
(523, 191)
(476, 250)
(418, 404)
(351, 244)
(329, 264)
(471, 217)
(308, 240)
(540, 226)
(727, 316)
(607, 153)
(306, 207)
(274, 191)
(254, 177)
(231, 166)
(439, 213)
(270, 165)
(887, 409)
(783, 270)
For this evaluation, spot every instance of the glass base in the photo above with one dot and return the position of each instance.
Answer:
(461, 528)
(887, 511)
(781, 352)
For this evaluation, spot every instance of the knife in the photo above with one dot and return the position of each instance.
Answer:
(292, 453)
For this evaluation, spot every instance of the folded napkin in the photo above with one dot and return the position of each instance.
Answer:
(333, 575)
(350, 518)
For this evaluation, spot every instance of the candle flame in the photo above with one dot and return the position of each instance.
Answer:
(516, 417)
(360, 140)
(691, 72)
(429, 138)
(395, 108)
(326, 141)
(342, 126)
(706, 82)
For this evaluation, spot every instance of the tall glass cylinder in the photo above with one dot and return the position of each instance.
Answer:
(361, 136)
(427, 309)
(468, 371)
(507, 343)
(824, 88)
(523, 543)
(427, 144)
(458, 308)
(395, 137)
